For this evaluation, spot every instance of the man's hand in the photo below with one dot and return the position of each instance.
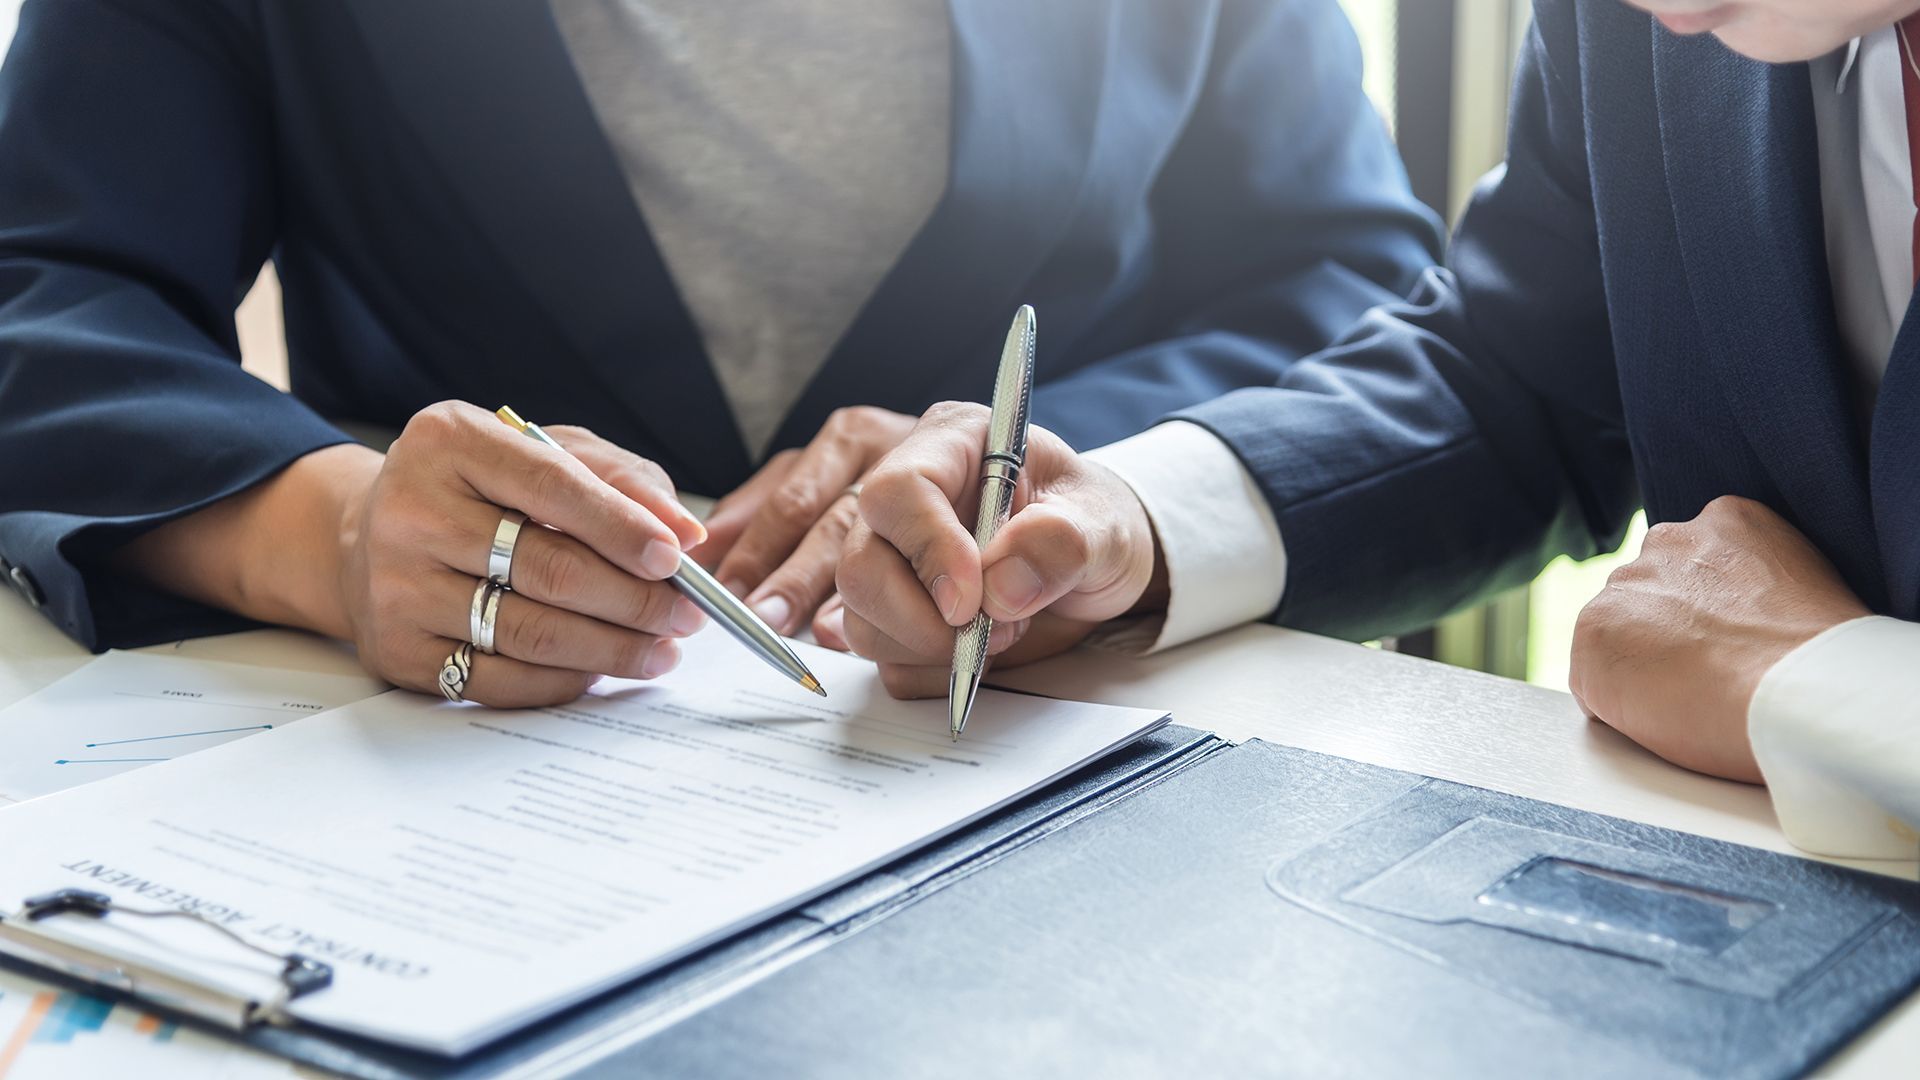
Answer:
(776, 540)
(1673, 649)
(1077, 551)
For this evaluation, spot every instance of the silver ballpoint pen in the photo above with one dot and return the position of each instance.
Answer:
(709, 595)
(1006, 454)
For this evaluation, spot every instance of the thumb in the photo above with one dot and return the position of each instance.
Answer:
(1065, 554)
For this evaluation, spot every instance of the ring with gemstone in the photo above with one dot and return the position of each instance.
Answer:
(454, 673)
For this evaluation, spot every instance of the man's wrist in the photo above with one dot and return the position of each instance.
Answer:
(1218, 557)
(1153, 600)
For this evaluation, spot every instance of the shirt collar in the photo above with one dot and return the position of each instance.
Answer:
(1851, 54)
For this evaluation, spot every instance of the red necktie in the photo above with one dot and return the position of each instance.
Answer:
(1909, 34)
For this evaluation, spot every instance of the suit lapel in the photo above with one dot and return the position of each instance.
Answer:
(1896, 467)
(1025, 112)
(1742, 168)
(492, 93)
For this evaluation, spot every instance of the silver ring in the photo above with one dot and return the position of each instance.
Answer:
(453, 674)
(481, 613)
(477, 608)
(500, 555)
(494, 591)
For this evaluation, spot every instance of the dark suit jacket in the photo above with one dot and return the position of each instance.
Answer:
(1193, 195)
(1638, 307)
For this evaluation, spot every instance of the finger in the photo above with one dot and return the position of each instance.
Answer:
(880, 588)
(867, 641)
(911, 681)
(910, 501)
(555, 569)
(813, 486)
(1046, 634)
(509, 470)
(732, 514)
(794, 591)
(552, 637)
(830, 624)
(498, 681)
(637, 478)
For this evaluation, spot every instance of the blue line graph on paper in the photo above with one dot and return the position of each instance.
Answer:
(182, 735)
(154, 738)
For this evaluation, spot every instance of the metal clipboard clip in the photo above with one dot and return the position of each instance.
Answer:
(21, 938)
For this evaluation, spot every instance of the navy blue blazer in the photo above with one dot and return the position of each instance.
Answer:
(1193, 194)
(1638, 306)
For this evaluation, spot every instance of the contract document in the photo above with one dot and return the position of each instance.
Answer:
(466, 871)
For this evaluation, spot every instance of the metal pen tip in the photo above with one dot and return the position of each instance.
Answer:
(813, 684)
(505, 412)
(960, 694)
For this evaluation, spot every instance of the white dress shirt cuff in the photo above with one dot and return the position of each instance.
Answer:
(1835, 727)
(1225, 562)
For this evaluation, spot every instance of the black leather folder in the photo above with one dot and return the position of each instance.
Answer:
(1274, 912)
(1188, 908)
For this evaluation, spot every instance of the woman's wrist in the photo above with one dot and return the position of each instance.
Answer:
(275, 552)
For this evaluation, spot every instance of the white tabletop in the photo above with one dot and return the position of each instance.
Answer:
(1285, 687)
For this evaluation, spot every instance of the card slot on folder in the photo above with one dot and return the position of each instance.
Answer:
(1607, 925)
(1711, 928)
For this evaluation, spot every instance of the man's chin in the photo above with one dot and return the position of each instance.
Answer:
(1773, 45)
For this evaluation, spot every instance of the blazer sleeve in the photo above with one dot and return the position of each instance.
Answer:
(1449, 445)
(136, 207)
(1281, 215)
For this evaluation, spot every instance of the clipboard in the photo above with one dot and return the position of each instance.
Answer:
(23, 936)
(603, 1026)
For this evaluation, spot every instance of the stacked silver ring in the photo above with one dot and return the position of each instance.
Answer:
(454, 673)
(485, 609)
(483, 615)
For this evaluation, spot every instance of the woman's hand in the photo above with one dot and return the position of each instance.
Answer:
(776, 540)
(388, 552)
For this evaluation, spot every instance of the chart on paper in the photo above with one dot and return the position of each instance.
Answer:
(126, 710)
(148, 748)
(52, 1034)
